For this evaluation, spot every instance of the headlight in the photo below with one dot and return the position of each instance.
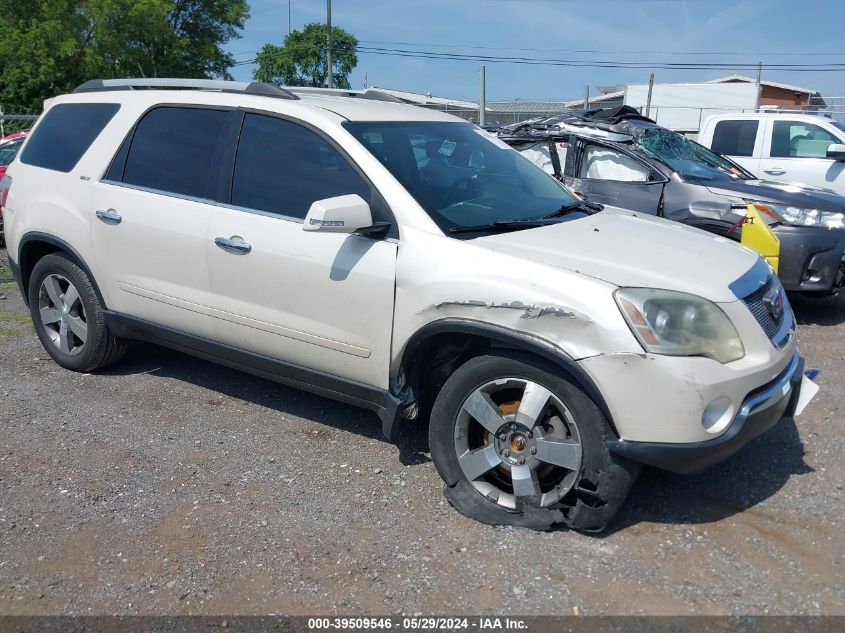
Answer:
(800, 216)
(679, 324)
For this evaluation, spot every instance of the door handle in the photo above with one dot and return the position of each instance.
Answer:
(234, 245)
(109, 217)
(775, 171)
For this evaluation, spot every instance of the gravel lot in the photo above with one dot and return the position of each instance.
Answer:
(167, 485)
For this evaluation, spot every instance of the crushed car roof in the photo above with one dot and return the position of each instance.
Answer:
(620, 125)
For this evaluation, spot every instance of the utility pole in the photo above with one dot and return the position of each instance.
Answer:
(759, 83)
(289, 1)
(587, 97)
(482, 97)
(648, 99)
(329, 24)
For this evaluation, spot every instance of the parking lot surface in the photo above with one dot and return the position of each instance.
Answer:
(168, 485)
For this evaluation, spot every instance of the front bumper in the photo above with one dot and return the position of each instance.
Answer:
(759, 412)
(810, 258)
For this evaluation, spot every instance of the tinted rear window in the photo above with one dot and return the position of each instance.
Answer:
(65, 133)
(735, 138)
(173, 150)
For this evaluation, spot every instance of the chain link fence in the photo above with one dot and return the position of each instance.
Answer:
(506, 113)
(13, 123)
(679, 118)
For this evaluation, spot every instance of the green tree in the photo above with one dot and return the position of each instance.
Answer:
(164, 38)
(51, 46)
(42, 45)
(303, 60)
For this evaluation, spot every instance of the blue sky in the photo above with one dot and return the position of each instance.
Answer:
(741, 31)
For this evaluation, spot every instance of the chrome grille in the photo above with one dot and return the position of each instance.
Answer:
(758, 303)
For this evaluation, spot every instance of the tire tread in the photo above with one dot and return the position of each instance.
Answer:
(108, 348)
(602, 486)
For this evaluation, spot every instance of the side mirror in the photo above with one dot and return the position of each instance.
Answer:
(836, 151)
(342, 214)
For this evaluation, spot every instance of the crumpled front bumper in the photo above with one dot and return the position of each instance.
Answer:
(759, 412)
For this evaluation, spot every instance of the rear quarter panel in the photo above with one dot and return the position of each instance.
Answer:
(61, 204)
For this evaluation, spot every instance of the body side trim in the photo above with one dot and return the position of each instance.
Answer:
(238, 319)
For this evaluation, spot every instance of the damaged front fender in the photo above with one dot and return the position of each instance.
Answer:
(527, 311)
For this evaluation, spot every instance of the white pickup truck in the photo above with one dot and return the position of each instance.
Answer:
(780, 146)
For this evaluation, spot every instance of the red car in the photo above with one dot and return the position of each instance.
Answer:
(9, 147)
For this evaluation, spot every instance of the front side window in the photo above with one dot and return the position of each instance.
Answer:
(602, 163)
(791, 139)
(173, 150)
(461, 175)
(65, 133)
(735, 138)
(283, 168)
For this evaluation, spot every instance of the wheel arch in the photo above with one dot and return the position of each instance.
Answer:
(440, 346)
(36, 245)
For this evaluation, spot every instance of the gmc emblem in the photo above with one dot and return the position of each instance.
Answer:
(773, 300)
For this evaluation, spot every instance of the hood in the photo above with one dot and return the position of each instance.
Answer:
(795, 195)
(632, 249)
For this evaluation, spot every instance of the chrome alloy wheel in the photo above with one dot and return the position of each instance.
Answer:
(62, 314)
(516, 440)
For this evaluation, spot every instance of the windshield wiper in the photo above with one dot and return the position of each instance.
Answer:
(545, 220)
(503, 225)
(582, 205)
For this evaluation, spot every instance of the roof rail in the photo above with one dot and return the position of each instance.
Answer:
(369, 93)
(773, 109)
(253, 88)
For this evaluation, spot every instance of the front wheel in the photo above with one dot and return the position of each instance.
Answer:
(519, 444)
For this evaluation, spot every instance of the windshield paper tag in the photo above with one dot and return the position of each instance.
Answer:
(448, 148)
(374, 137)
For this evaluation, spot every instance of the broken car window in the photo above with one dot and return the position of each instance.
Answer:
(689, 160)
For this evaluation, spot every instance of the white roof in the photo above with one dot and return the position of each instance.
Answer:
(355, 109)
(308, 105)
(773, 84)
(426, 99)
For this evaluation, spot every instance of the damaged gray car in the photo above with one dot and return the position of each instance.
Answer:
(620, 158)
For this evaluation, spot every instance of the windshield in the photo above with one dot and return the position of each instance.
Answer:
(461, 175)
(688, 159)
(838, 125)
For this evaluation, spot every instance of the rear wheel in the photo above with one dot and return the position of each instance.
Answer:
(68, 316)
(518, 444)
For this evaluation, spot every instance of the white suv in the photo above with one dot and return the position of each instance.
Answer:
(403, 260)
(781, 146)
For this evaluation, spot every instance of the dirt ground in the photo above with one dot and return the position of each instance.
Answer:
(168, 485)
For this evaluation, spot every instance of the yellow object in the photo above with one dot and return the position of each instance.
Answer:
(757, 236)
